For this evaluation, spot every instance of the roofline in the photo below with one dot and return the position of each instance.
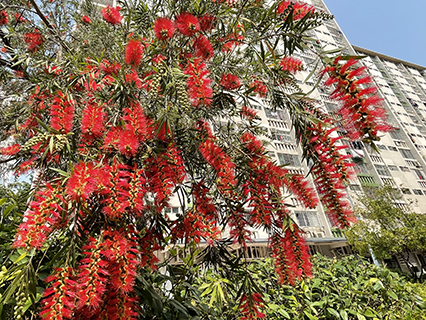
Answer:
(380, 55)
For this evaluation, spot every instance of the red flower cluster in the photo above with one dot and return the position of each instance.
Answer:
(268, 174)
(86, 19)
(59, 297)
(110, 67)
(207, 22)
(34, 40)
(361, 111)
(230, 81)
(291, 255)
(231, 41)
(199, 88)
(221, 162)
(201, 221)
(300, 10)
(164, 28)
(44, 215)
(134, 51)
(10, 150)
(165, 172)
(93, 121)
(112, 15)
(62, 113)
(249, 113)
(291, 64)
(250, 305)
(330, 171)
(259, 87)
(203, 47)
(187, 24)
(4, 18)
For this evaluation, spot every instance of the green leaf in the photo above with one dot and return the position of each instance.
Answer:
(344, 314)
(178, 306)
(334, 312)
(392, 295)
(310, 316)
(360, 317)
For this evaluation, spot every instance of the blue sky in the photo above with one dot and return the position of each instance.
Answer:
(392, 27)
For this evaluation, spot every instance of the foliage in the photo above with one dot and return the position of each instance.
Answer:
(387, 229)
(347, 288)
(118, 110)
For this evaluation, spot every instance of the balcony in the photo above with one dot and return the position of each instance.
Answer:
(367, 180)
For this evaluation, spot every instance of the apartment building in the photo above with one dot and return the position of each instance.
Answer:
(401, 160)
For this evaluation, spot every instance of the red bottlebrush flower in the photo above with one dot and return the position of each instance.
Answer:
(207, 22)
(222, 163)
(291, 64)
(249, 113)
(134, 51)
(59, 298)
(121, 250)
(82, 184)
(230, 81)
(110, 67)
(34, 40)
(133, 78)
(44, 215)
(203, 47)
(291, 255)
(136, 121)
(164, 28)
(116, 191)
(19, 18)
(10, 150)
(199, 85)
(187, 24)
(62, 114)
(361, 111)
(112, 15)
(299, 9)
(259, 87)
(128, 143)
(250, 305)
(19, 73)
(111, 139)
(92, 277)
(331, 170)
(231, 41)
(158, 59)
(201, 222)
(4, 18)
(86, 19)
(93, 121)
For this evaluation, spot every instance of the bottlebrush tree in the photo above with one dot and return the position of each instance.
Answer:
(118, 109)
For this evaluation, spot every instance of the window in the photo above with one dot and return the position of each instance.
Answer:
(396, 134)
(281, 135)
(361, 168)
(393, 168)
(406, 153)
(382, 147)
(417, 192)
(275, 114)
(307, 219)
(288, 159)
(382, 170)
(404, 169)
(419, 174)
(392, 148)
(406, 191)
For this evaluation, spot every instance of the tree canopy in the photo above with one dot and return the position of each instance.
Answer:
(389, 230)
(117, 110)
